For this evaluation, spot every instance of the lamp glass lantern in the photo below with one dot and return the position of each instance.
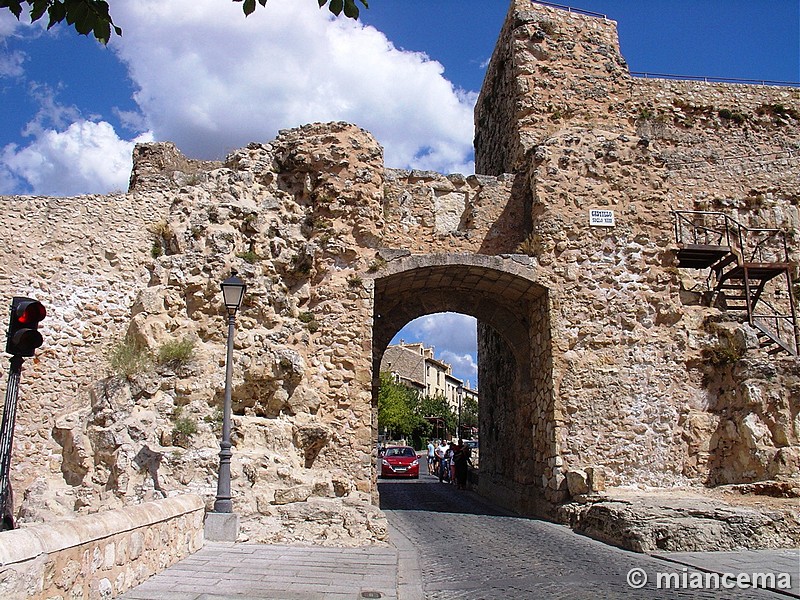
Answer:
(233, 290)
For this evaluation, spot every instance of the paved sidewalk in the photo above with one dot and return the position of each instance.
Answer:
(226, 571)
(276, 572)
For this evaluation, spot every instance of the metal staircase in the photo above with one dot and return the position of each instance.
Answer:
(745, 268)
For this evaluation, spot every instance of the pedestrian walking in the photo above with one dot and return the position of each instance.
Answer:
(444, 467)
(461, 462)
(454, 448)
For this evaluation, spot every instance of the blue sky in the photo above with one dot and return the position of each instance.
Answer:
(197, 73)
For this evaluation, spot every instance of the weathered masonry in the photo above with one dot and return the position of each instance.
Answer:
(619, 340)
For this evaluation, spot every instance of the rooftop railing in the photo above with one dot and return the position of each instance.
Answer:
(706, 79)
(579, 11)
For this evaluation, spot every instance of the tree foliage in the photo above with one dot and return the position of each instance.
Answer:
(469, 412)
(398, 408)
(349, 7)
(85, 16)
(404, 413)
(93, 16)
(437, 407)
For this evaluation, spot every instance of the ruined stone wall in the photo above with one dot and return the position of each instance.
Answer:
(84, 258)
(550, 68)
(553, 70)
(307, 221)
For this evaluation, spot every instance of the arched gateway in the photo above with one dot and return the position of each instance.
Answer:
(515, 361)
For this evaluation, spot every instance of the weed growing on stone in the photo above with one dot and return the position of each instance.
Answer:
(309, 320)
(176, 352)
(723, 355)
(184, 428)
(729, 115)
(250, 257)
(376, 265)
(215, 419)
(129, 359)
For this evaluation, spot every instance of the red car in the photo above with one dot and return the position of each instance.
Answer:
(400, 461)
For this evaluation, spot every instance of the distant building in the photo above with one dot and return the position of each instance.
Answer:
(413, 365)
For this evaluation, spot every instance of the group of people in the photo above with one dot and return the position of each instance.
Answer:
(450, 461)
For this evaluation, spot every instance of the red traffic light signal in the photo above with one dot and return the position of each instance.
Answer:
(23, 338)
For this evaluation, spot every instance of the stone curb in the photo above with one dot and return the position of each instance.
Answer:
(409, 574)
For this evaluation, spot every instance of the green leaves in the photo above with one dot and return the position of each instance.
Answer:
(85, 16)
(250, 5)
(398, 405)
(403, 412)
(93, 16)
(349, 7)
(15, 6)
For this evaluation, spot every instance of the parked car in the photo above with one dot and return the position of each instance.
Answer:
(399, 461)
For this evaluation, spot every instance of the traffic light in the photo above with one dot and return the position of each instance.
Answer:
(23, 338)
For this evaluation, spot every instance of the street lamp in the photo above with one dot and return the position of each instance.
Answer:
(459, 392)
(233, 290)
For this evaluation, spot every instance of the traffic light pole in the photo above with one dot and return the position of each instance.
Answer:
(6, 440)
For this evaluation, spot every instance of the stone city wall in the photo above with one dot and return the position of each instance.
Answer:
(100, 555)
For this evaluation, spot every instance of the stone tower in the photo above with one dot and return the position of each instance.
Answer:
(628, 341)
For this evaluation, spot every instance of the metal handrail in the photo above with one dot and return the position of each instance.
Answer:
(694, 227)
(730, 225)
(759, 246)
(579, 11)
(776, 321)
(711, 79)
(772, 322)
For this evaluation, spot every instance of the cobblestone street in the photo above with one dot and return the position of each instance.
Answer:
(467, 549)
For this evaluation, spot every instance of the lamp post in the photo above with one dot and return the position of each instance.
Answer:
(233, 290)
(459, 392)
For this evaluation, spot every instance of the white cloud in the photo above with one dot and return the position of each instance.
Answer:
(211, 80)
(465, 366)
(11, 62)
(63, 162)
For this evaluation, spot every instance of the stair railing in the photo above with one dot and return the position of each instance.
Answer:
(748, 245)
(779, 325)
(696, 230)
(767, 245)
(753, 244)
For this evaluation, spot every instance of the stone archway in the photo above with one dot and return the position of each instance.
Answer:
(517, 415)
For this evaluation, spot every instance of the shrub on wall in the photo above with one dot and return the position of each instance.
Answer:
(128, 359)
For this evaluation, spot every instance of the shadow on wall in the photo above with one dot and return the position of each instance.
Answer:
(513, 226)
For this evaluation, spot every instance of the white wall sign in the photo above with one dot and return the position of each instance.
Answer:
(601, 218)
